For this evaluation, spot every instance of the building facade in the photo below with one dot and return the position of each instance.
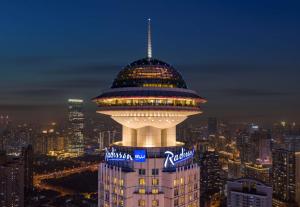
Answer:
(248, 192)
(11, 181)
(210, 177)
(149, 167)
(286, 176)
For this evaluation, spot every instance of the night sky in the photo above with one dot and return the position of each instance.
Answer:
(243, 56)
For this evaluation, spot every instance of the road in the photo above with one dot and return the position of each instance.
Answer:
(38, 179)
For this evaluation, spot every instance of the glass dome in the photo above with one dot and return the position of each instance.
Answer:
(149, 72)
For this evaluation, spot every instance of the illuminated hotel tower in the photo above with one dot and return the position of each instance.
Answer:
(148, 167)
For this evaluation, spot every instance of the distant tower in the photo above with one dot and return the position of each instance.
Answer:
(27, 156)
(76, 126)
(212, 126)
(149, 167)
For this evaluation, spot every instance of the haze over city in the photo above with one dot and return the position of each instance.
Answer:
(242, 56)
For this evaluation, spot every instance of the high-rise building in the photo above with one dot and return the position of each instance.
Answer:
(11, 181)
(257, 171)
(234, 169)
(286, 175)
(254, 146)
(212, 126)
(210, 177)
(149, 167)
(76, 127)
(247, 192)
(27, 156)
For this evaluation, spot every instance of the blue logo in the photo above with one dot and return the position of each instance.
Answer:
(139, 155)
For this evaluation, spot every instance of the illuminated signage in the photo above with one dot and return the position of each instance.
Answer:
(172, 159)
(139, 155)
(114, 155)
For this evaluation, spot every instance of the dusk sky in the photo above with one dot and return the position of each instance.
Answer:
(243, 56)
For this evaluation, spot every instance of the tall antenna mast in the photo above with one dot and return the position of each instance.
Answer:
(149, 48)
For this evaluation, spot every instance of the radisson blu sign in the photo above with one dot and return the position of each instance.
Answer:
(172, 159)
(114, 155)
(139, 155)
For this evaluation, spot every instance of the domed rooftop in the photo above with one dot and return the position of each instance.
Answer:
(149, 72)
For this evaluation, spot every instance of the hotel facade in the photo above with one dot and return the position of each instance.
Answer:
(149, 167)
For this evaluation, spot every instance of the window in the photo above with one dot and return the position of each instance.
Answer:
(142, 172)
(155, 171)
(121, 182)
(181, 181)
(176, 192)
(142, 181)
(175, 182)
(154, 191)
(141, 202)
(176, 203)
(155, 181)
(155, 203)
(142, 191)
(181, 200)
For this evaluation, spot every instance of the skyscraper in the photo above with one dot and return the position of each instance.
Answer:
(11, 181)
(210, 177)
(212, 125)
(27, 156)
(247, 192)
(258, 172)
(149, 167)
(75, 129)
(286, 175)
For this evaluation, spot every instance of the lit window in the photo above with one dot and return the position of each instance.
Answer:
(121, 182)
(155, 181)
(155, 203)
(142, 181)
(181, 181)
(154, 191)
(142, 191)
(141, 202)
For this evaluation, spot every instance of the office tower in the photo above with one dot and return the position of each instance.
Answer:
(245, 192)
(27, 156)
(149, 167)
(257, 171)
(210, 177)
(234, 169)
(75, 128)
(286, 175)
(212, 126)
(254, 146)
(11, 181)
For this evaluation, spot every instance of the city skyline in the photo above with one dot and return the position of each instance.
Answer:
(247, 67)
(101, 102)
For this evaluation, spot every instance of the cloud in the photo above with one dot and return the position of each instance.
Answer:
(33, 60)
(42, 92)
(247, 92)
(87, 69)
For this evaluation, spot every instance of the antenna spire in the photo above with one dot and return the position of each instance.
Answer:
(149, 48)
